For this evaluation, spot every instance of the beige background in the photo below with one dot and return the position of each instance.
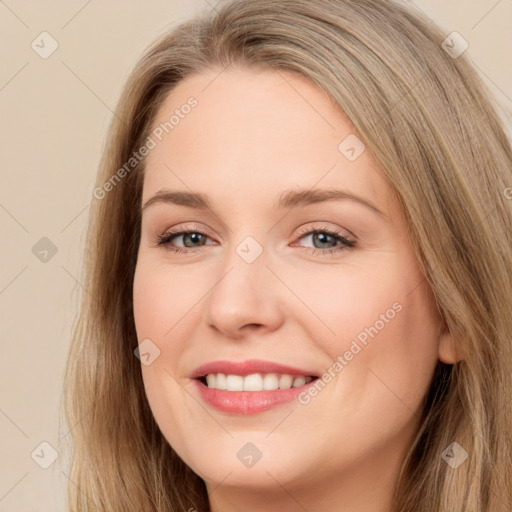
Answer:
(54, 113)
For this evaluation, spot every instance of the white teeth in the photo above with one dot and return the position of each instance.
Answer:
(299, 381)
(255, 381)
(221, 381)
(211, 380)
(285, 382)
(234, 383)
(270, 382)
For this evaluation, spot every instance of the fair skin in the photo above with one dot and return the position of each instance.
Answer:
(252, 136)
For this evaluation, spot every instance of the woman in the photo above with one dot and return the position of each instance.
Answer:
(340, 336)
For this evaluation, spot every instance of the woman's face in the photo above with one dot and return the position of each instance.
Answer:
(283, 277)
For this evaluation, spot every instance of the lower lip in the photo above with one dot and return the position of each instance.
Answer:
(248, 402)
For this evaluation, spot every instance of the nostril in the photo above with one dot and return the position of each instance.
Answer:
(252, 327)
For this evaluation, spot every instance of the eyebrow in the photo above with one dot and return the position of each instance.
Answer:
(288, 199)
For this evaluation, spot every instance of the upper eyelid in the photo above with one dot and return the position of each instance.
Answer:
(302, 232)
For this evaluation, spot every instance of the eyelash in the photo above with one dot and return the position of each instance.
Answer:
(165, 240)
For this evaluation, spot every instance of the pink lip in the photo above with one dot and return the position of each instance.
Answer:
(247, 402)
(246, 368)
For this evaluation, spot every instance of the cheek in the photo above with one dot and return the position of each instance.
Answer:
(383, 333)
(350, 302)
(161, 298)
(387, 347)
(152, 296)
(164, 298)
(386, 350)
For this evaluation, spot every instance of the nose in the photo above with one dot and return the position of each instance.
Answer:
(245, 298)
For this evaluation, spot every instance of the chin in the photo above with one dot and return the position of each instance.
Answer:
(248, 461)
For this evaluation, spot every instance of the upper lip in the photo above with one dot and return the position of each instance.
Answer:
(247, 367)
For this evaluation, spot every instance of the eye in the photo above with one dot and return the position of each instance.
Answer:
(191, 239)
(330, 241)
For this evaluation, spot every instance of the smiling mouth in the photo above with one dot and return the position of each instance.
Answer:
(255, 381)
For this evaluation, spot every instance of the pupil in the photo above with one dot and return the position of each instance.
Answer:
(192, 236)
(323, 236)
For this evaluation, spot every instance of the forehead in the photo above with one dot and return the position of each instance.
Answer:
(252, 132)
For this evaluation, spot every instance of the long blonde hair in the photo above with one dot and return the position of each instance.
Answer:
(435, 130)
